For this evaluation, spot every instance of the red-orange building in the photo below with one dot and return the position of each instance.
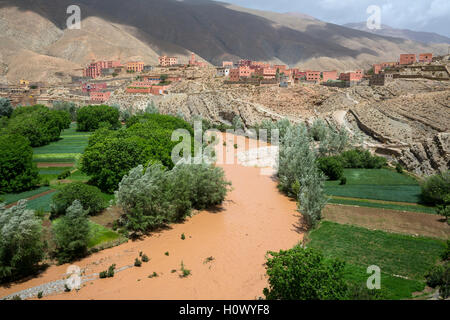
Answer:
(99, 97)
(377, 68)
(135, 66)
(352, 76)
(242, 72)
(329, 75)
(94, 69)
(407, 58)
(266, 72)
(165, 61)
(227, 64)
(313, 76)
(426, 57)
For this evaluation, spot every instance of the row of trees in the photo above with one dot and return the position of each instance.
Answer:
(21, 129)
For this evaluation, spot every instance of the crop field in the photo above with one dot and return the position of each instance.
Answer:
(14, 197)
(383, 205)
(376, 184)
(68, 149)
(404, 260)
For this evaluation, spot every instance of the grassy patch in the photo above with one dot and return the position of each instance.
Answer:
(100, 234)
(396, 255)
(377, 184)
(383, 205)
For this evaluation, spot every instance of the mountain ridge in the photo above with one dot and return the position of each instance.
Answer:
(144, 29)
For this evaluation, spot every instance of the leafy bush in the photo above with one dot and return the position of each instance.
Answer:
(361, 159)
(111, 154)
(90, 117)
(154, 197)
(89, 197)
(6, 108)
(145, 258)
(399, 168)
(439, 276)
(137, 262)
(17, 171)
(318, 130)
(331, 167)
(65, 174)
(435, 188)
(343, 181)
(38, 124)
(71, 234)
(21, 247)
(108, 273)
(64, 118)
(304, 274)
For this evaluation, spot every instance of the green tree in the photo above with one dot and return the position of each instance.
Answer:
(38, 124)
(6, 108)
(112, 154)
(304, 274)
(331, 167)
(154, 197)
(90, 198)
(69, 107)
(436, 188)
(71, 234)
(17, 170)
(89, 118)
(21, 245)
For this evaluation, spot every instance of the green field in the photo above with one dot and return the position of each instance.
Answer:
(396, 255)
(68, 149)
(14, 197)
(391, 206)
(376, 184)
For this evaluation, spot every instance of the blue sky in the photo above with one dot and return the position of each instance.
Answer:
(420, 15)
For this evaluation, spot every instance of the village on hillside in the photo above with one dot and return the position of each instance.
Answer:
(101, 79)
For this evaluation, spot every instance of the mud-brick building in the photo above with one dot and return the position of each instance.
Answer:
(381, 79)
(408, 58)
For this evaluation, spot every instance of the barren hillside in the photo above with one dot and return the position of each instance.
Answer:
(215, 31)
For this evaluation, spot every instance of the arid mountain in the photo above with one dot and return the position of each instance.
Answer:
(37, 45)
(419, 36)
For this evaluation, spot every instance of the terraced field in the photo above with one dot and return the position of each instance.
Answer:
(378, 188)
(403, 259)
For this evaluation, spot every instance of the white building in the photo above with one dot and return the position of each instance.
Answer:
(223, 72)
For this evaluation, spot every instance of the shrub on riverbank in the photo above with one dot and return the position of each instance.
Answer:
(155, 197)
(304, 274)
(21, 247)
(71, 234)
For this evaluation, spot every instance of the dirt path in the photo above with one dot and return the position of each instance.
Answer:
(32, 198)
(54, 165)
(254, 219)
(413, 223)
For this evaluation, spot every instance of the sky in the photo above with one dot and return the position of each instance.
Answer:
(419, 15)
